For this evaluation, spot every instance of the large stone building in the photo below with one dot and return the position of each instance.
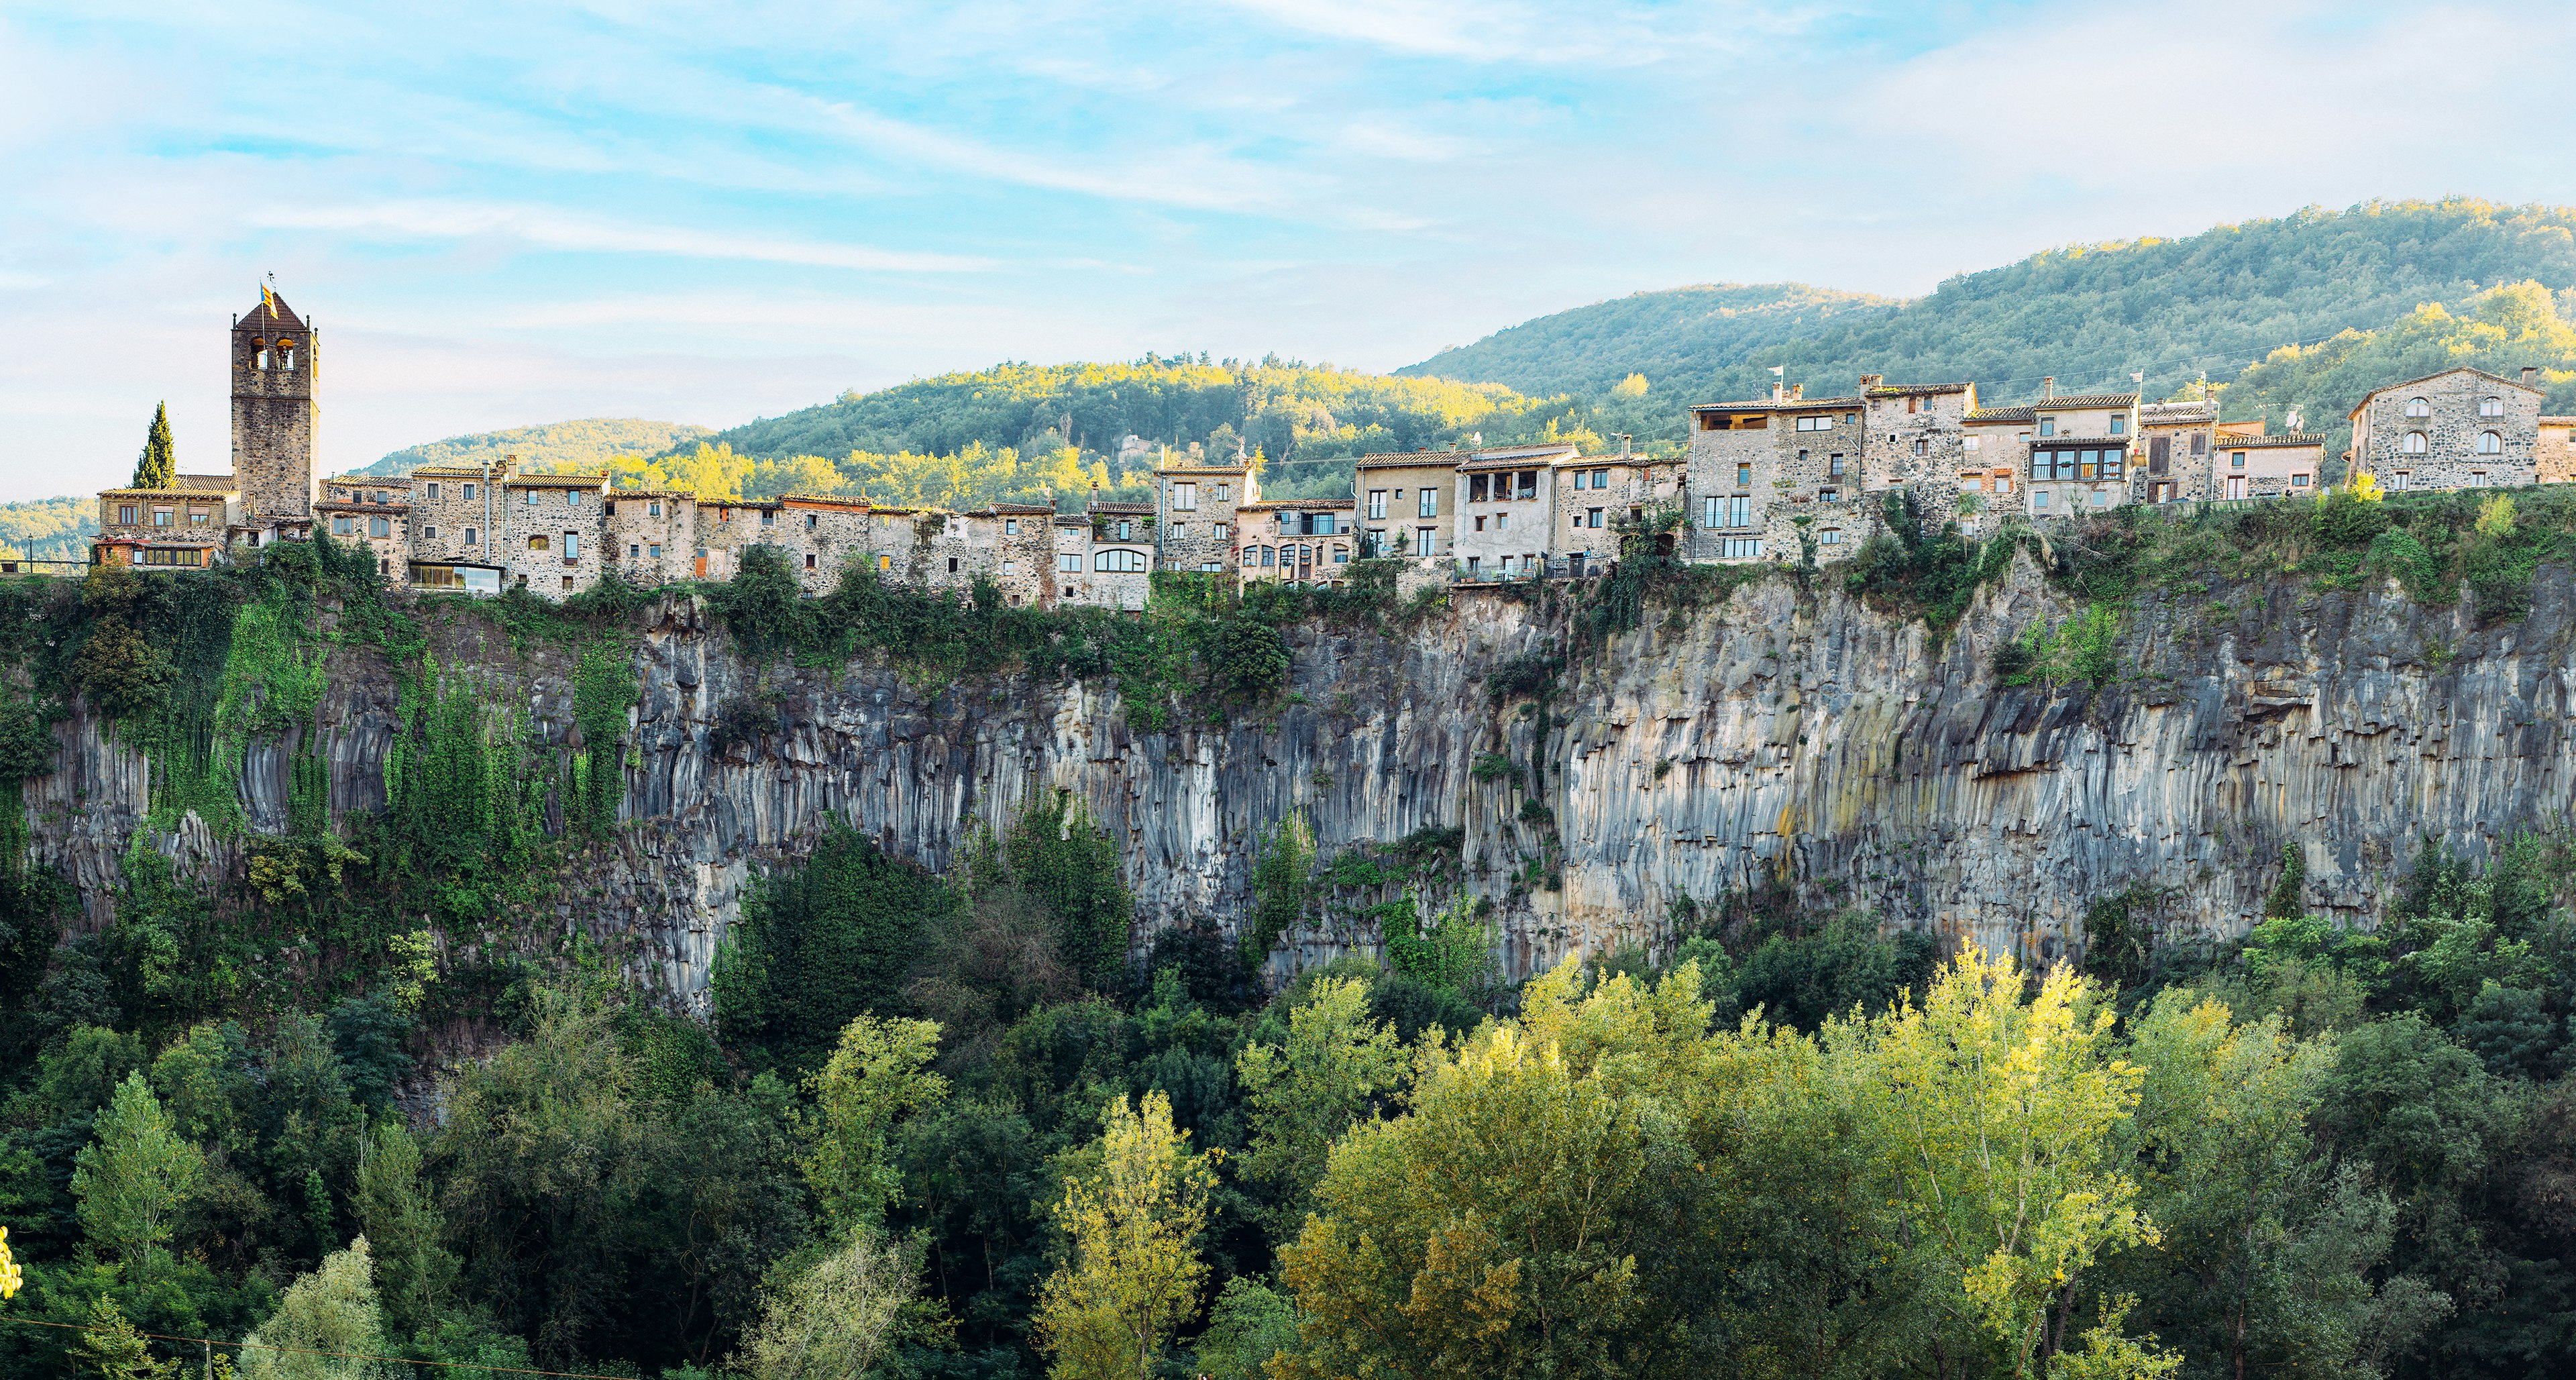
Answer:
(275, 360)
(2458, 429)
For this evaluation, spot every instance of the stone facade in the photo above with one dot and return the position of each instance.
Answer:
(274, 360)
(2458, 429)
(1772, 477)
(2554, 458)
(1405, 501)
(374, 513)
(1301, 540)
(650, 534)
(1507, 510)
(2172, 461)
(1197, 511)
(550, 532)
(2283, 466)
(2079, 453)
(1595, 493)
(1917, 440)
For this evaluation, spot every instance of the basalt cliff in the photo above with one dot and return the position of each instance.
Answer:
(1788, 735)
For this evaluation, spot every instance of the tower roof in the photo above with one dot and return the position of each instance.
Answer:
(258, 318)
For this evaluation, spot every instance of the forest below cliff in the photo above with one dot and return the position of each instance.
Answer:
(363, 1093)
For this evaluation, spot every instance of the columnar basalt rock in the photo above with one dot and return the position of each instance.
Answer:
(1787, 735)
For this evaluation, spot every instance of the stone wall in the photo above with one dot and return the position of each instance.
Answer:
(2450, 459)
(276, 422)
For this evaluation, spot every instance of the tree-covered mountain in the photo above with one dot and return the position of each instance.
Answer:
(49, 528)
(1302, 418)
(584, 444)
(2090, 315)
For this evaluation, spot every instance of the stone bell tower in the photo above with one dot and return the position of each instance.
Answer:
(274, 415)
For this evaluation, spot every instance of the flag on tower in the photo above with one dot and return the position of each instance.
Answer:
(1780, 371)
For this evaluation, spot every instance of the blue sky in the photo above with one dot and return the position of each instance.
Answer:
(505, 214)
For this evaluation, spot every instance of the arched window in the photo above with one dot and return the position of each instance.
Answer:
(2416, 443)
(2490, 443)
(2417, 407)
(1251, 556)
(1268, 556)
(286, 354)
(2490, 407)
(1119, 562)
(259, 359)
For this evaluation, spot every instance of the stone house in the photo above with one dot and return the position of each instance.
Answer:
(373, 512)
(2259, 466)
(275, 358)
(2079, 452)
(2458, 429)
(650, 535)
(1505, 505)
(1405, 501)
(2554, 455)
(1304, 540)
(455, 513)
(1771, 476)
(2171, 463)
(1103, 556)
(1916, 439)
(549, 529)
(1596, 493)
(1196, 510)
(185, 526)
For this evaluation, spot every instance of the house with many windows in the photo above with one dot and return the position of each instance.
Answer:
(2458, 429)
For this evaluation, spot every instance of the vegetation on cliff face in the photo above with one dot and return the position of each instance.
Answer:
(944, 1126)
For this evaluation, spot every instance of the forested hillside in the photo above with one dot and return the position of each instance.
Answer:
(49, 528)
(576, 445)
(2090, 315)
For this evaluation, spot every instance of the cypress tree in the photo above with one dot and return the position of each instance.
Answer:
(159, 466)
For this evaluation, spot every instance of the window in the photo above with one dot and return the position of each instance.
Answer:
(1922, 447)
(2119, 423)
(342, 525)
(2401, 479)
(1739, 511)
(2298, 481)
(811, 522)
(653, 509)
(952, 563)
(473, 537)
(1829, 495)
(1067, 562)
(1008, 567)
(1126, 532)
(1528, 485)
(263, 357)
(1430, 506)
(430, 533)
(768, 517)
(125, 514)
(532, 497)
(1601, 479)
(537, 543)
(1476, 488)
(2048, 426)
(2490, 443)
(469, 493)
(1502, 520)
(2416, 443)
(1010, 527)
(1341, 555)
(1851, 419)
(2159, 454)
(1592, 519)
(1480, 524)
(2200, 443)
(572, 546)
(1377, 504)
(2477, 479)
(1323, 525)
(2418, 407)
(161, 517)
(1185, 497)
(653, 551)
(1583, 479)
(634, 551)
(2101, 498)
(433, 491)
(1708, 511)
(1219, 530)
(380, 527)
(1833, 467)
(1424, 540)
(1972, 444)
(1815, 424)
(2490, 407)
(1742, 549)
(1269, 556)
(1743, 474)
(2039, 499)
(2235, 486)
(1831, 536)
(1220, 493)
(572, 498)
(2236, 460)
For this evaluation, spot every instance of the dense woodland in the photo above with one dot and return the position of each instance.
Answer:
(371, 1098)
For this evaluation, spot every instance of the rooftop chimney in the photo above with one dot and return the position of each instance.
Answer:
(2531, 376)
(1624, 439)
(1779, 391)
(2048, 388)
(1798, 392)
(1872, 380)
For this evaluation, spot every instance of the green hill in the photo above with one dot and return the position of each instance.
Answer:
(584, 444)
(2089, 314)
(49, 528)
(1308, 420)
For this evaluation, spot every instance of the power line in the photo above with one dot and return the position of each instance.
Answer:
(308, 1351)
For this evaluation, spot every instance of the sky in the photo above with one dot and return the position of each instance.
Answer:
(508, 214)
